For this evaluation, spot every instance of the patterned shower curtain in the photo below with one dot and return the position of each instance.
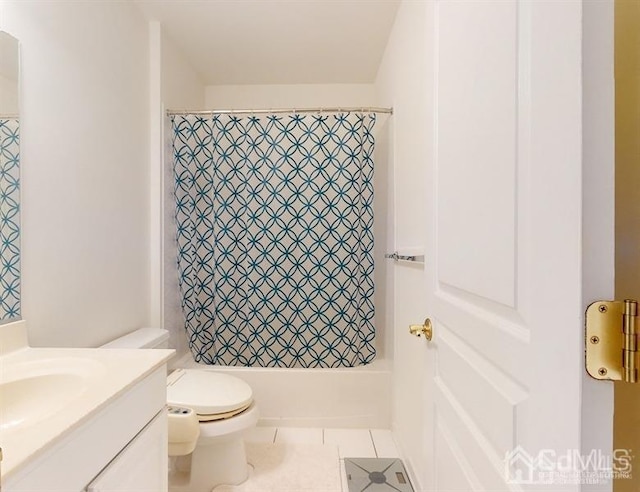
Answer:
(9, 218)
(274, 219)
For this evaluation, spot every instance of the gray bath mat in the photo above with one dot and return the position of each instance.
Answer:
(376, 475)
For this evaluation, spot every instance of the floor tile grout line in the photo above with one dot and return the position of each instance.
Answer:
(373, 442)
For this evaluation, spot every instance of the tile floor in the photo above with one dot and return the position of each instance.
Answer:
(351, 443)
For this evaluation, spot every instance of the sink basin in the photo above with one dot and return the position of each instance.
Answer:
(33, 391)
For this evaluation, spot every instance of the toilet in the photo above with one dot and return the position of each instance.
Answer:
(208, 414)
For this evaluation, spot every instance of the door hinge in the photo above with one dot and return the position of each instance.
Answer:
(612, 340)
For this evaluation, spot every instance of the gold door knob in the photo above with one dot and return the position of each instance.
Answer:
(426, 329)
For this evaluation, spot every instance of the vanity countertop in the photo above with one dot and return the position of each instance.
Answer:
(47, 392)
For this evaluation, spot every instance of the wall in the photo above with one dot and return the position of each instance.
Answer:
(9, 69)
(288, 96)
(8, 96)
(180, 88)
(627, 70)
(84, 136)
(403, 82)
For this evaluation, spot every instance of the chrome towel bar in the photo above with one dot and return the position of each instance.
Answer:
(396, 257)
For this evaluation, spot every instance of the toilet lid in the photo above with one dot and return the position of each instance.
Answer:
(207, 392)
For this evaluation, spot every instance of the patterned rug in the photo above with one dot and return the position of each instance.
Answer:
(289, 467)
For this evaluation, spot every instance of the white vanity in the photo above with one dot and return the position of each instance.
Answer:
(81, 419)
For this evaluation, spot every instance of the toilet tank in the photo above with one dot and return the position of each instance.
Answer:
(141, 338)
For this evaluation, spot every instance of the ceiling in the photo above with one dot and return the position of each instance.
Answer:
(276, 41)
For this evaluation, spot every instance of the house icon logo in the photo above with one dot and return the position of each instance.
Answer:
(519, 466)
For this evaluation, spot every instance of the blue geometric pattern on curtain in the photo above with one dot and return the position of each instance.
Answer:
(9, 219)
(274, 221)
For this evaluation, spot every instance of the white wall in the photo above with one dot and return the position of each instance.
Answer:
(8, 74)
(8, 96)
(84, 137)
(403, 82)
(181, 88)
(288, 96)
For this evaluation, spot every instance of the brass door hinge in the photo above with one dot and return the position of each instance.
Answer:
(612, 340)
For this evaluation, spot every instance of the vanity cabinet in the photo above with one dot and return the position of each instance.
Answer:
(141, 466)
(122, 446)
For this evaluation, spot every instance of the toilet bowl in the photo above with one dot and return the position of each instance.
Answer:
(225, 409)
(209, 413)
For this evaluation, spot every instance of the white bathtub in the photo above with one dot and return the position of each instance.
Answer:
(358, 397)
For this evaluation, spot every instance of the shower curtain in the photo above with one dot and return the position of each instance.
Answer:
(9, 218)
(274, 219)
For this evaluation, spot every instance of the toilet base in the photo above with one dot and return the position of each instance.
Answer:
(219, 461)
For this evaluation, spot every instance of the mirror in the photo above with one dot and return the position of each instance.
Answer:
(9, 180)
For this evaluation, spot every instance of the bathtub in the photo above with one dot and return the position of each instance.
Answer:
(357, 397)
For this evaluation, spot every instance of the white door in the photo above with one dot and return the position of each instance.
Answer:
(512, 253)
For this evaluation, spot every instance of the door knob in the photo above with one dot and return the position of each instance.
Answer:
(426, 329)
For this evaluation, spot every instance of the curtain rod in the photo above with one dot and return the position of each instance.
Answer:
(280, 111)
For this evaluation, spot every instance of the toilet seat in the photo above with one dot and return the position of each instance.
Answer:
(221, 416)
(212, 395)
(216, 429)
